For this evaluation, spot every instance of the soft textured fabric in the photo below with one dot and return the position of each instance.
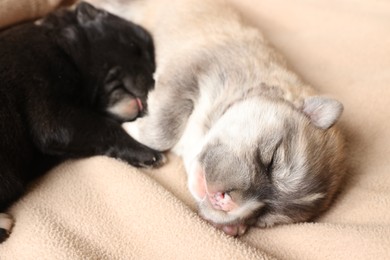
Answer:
(100, 208)
(13, 11)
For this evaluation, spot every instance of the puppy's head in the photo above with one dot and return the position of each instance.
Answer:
(266, 162)
(115, 56)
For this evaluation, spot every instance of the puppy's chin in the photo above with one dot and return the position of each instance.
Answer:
(128, 109)
(236, 216)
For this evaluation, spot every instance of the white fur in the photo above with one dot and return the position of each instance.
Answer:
(132, 129)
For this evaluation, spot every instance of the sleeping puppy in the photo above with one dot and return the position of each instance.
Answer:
(67, 83)
(260, 147)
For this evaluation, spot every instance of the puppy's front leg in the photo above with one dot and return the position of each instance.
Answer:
(72, 132)
(169, 107)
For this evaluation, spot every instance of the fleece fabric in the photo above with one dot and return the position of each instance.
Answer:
(12, 11)
(101, 208)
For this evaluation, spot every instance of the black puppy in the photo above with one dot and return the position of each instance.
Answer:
(67, 83)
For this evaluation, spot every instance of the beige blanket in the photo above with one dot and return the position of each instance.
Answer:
(14, 11)
(100, 208)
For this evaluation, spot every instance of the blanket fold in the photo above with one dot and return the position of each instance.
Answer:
(112, 211)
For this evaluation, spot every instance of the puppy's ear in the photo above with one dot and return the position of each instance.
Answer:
(86, 13)
(142, 33)
(72, 41)
(323, 112)
(146, 40)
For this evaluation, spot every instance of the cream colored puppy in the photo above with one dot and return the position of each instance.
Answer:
(260, 146)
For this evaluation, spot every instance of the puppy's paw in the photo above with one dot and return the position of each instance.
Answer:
(157, 160)
(6, 223)
(146, 158)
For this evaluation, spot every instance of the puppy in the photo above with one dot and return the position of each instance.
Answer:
(67, 83)
(260, 146)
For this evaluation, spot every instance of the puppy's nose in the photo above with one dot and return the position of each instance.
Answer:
(221, 201)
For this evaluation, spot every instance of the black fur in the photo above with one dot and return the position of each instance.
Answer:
(57, 82)
(3, 234)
